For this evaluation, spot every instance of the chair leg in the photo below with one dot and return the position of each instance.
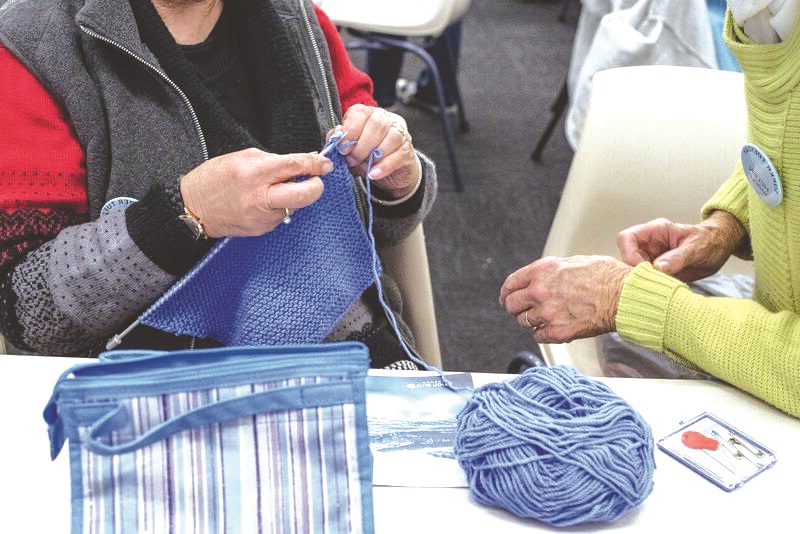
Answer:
(557, 110)
(378, 41)
(463, 125)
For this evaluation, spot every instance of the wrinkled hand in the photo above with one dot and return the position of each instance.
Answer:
(244, 193)
(561, 299)
(399, 168)
(687, 251)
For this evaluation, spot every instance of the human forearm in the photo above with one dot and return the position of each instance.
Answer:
(736, 340)
(732, 198)
(70, 294)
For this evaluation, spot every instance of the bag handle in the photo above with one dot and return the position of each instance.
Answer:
(291, 398)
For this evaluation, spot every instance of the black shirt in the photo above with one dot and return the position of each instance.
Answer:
(219, 64)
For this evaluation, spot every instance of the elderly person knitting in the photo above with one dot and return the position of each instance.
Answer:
(137, 132)
(753, 344)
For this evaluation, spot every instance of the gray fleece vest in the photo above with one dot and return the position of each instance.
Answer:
(133, 122)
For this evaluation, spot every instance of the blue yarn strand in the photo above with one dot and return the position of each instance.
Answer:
(556, 446)
(376, 262)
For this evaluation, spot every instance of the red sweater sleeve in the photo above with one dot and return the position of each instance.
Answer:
(355, 87)
(42, 166)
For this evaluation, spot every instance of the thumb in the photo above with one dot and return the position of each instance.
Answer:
(672, 262)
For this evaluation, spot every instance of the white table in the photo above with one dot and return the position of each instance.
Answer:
(35, 496)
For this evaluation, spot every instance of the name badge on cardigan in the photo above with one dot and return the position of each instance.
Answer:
(115, 204)
(761, 174)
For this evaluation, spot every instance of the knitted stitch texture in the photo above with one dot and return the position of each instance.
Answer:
(754, 345)
(290, 285)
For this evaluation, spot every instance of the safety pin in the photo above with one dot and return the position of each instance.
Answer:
(736, 453)
(733, 440)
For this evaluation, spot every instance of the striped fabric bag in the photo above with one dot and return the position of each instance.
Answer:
(231, 440)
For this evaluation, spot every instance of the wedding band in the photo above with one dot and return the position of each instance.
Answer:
(286, 216)
(528, 321)
(402, 131)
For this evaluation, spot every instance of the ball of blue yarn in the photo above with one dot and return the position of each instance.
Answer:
(554, 445)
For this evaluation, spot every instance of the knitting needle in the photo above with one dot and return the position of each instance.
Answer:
(328, 149)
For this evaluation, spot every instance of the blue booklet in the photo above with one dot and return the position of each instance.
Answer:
(412, 424)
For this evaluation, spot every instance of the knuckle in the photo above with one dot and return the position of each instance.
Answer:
(294, 165)
(357, 112)
(378, 119)
(252, 152)
(548, 263)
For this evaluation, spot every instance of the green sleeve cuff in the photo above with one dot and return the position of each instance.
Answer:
(643, 305)
(732, 197)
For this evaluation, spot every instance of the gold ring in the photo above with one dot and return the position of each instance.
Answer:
(286, 216)
(402, 131)
(528, 321)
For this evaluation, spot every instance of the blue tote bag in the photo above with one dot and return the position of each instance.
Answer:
(236, 440)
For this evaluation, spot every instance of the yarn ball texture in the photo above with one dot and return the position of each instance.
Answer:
(554, 445)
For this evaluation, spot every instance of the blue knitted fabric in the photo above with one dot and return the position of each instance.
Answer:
(288, 286)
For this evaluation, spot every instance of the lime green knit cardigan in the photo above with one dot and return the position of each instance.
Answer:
(754, 345)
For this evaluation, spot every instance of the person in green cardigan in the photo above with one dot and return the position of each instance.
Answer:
(752, 344)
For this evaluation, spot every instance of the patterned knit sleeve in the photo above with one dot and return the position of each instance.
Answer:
(39, 196)
(737, 340)
(67, 283)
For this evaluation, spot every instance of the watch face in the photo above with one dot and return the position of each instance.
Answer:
(194, 225)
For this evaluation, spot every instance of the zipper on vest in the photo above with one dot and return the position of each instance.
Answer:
(320, 63)
(117, 339)
(162, 75)
(328, 96)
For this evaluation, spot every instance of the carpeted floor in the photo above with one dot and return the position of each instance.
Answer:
(514, 58)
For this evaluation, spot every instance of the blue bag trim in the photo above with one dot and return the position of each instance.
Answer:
(130, 373)
(293, 398)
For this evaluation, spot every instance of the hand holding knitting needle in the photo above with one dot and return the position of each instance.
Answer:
(398, 171)
(250, 192)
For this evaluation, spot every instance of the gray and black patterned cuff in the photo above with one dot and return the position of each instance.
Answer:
(154, 226)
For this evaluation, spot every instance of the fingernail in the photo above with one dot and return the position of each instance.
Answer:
(327, 166)
(661, 265)
(375, 174)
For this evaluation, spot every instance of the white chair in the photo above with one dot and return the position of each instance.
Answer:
(371, 21)
(657, 142)
(408, 264)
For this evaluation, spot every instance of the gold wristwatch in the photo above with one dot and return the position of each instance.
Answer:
(193, 223)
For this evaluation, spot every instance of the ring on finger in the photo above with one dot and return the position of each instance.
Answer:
(402, 131)
(528, 321)
(287, 216)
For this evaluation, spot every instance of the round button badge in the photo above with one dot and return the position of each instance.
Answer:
(761, 174)
(115, 204)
